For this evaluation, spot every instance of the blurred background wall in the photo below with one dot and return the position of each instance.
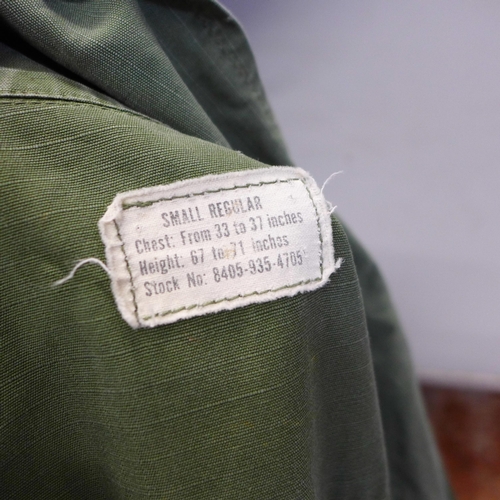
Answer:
(404, 98)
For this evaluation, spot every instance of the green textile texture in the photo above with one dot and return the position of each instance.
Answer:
(309, 397)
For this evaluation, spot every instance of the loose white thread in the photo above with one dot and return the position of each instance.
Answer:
(331, 176)
(80, 263)
(338, 263)
(331, 208)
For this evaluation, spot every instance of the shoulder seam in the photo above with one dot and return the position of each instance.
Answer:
(76, 100)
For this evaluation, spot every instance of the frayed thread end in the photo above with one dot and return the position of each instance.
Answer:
(80, 263)
(338, 263)
(330, 207)
(329, 178)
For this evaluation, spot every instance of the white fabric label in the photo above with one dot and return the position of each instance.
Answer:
(216, 242)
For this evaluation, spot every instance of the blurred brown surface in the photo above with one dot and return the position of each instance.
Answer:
(467, 428)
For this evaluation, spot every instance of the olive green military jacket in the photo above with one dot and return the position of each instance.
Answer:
(303, 397)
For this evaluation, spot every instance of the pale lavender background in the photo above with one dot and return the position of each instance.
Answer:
(404, 97)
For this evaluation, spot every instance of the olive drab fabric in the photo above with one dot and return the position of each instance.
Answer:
(308, 397)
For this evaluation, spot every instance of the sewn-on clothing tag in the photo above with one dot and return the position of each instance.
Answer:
(216, 242)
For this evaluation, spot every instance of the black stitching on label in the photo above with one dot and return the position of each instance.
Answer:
(166, 313)
(145, 318)
(132, 288)
(319, 228)
(140, 204)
